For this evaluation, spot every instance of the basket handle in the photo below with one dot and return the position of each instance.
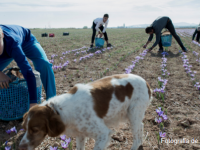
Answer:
(15, 69)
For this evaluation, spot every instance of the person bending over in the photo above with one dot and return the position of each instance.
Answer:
(98, 24)
(197, 31)
(156, 27)
(17, 43)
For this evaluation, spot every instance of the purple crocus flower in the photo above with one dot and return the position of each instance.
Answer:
(53, 148)
(164, 117)
(7, 147)
(68, 140)
(64, 145)
(63, 137)
(162, 135)
(159, 111)
(13, 129)
(158, 120)
(8, 131)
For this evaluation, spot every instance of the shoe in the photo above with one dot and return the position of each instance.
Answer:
(184, 50)
(109, 45)
(91, 46)
(160, 50)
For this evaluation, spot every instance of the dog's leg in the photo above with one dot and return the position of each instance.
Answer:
(136, 115)
(80, 143)
(101, 136)
(102, 141)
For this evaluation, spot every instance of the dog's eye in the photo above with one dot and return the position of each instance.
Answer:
(35, 129)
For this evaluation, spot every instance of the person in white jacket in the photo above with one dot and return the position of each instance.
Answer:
(98, 24)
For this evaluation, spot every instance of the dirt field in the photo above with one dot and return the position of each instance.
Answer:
(182, 99)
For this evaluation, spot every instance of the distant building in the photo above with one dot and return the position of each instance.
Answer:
(121, 26)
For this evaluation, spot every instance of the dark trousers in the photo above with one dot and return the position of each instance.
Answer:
(94, 32)
(198, 36)
(172, 30)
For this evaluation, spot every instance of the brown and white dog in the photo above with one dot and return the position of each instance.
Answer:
(89, 110)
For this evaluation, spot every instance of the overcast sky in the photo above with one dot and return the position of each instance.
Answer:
(79, 13)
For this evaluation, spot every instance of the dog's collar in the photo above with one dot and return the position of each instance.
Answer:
(53, 108)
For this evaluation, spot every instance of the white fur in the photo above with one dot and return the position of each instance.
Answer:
(82, 121)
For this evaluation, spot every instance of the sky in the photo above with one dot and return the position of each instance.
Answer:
(79, 13)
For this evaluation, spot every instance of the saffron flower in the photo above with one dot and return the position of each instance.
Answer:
(8, 131)
(64, 145)
(162, 135)
(7, 147)
(68, 140)
(63, 137)
(158, 120)
(13, 129)
(164, 117)
(53, 148)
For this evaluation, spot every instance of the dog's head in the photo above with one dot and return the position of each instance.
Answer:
(38, 122)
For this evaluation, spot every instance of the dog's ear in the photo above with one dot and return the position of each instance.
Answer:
(55, 126)
(25, 120)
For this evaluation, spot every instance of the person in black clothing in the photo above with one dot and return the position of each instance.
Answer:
(197, 31)
(156, 27)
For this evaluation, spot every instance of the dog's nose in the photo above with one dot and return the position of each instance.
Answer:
(23, 146)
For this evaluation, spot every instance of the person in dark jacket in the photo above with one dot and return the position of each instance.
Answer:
(17, 43)
(156, 27)
(196, 32)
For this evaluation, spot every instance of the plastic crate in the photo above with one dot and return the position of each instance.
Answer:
(14, 101)
(166, 40)
(99, 42)
(65, 33)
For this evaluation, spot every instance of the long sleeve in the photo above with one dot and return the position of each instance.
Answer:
(97, 26)
(157, 39)
(150, 37)
(195, 32)
(106, 24)
(18, 55)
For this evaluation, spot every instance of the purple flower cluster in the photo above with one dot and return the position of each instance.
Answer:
(86, 57)
(161, 117)
(75, 50)
(11, 130)
(82, 52)
(52, 56)
(185, 32)
(98, 52)
(164, 65)
(195, 42)
(103, 50)
(188, 67)
(197, 55)
(162, 83)
(60, 66)
(66, 141)
(137, 59)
